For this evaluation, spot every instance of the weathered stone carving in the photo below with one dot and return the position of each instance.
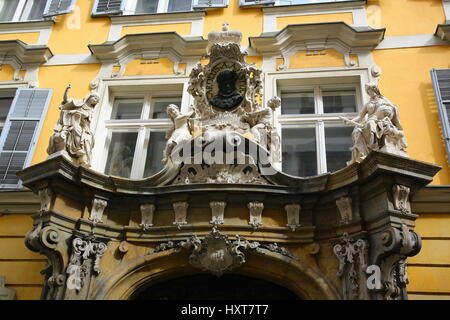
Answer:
(293, 215)
(98, 206)
(239, 173)
(6, 293)
(344, 205)
(147, 212)
(216, 253)
(228, 96)
(377, 127)
(46, 196)
(401, 198)
(255, 209)
(391, 249)
(217, 211)
(179, 132)
(79, 268)
(73, 134)
(180, 210)
(352, 265)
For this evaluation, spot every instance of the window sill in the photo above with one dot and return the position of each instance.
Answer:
(154, 17)
(271, 9)
(27, 25)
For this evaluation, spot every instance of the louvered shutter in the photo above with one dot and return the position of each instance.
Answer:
(57, 7)
(441, 84)
(252, 3)
(106, 7)
(20, 133)
(210, 3)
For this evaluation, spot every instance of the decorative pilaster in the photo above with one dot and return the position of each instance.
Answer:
(98, 206)
(352, 265)
(293, 215)
(255, 208)
(180, 210)
(147, 212)
(217, 212)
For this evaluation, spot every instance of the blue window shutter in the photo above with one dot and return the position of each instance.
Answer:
(107, 7)
(57, 7)
(441, 84)
(20, 134)
(210, 3)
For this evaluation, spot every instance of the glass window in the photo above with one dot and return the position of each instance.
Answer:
(121, 154)
(299, 151)
(8, 9)
(5, 105)
(297, 102)
(159, 106)
(146, 6)
(127, 109)
(155, 149)
(338, 142)
(339, 101)
(179, 5)
(314, 139)
(33, 10)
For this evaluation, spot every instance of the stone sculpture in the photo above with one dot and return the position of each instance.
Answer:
(228, 96)
(72, 133)
(377, 127)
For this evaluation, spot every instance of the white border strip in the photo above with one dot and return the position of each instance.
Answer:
(422, 40)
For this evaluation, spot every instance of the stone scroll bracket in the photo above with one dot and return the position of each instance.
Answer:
(97, 209)
(217, 212)
(180, 211)
(293, 215)
(147, 213)
(255, 210)
(400, 197)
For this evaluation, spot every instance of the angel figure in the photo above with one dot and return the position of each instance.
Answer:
(72, 132)
(261, 122)
(180, 130)
(377, 127)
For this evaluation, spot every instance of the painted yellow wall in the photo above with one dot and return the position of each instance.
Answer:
(330, 58)
(136, 68)
(58, 77)
(346, 17)
(27, 37)
(406, 82)
(6, 73)
(248, 20)
(180, 28)
(73, 32)
(405, 17)
(257, 60)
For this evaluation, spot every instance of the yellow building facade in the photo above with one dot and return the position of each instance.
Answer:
(140, 54)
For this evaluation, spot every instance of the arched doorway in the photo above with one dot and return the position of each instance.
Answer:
(209, 287)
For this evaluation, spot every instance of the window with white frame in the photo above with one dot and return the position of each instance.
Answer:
(33, 10)
(286, 2)
(136, 130)
(314, 139)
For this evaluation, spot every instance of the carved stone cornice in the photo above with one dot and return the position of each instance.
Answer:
(148, 46)
(336, 35)
(20, 55)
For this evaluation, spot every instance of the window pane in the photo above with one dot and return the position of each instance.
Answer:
(121, 154)
(155, 150)
(5, 104)
(159, 106)
(33, 10)
(338, 141)
(297, 102)
(127, 109)
(179, 5)
(299, 151)
(339, 101)
(146, 6)
(7, 9)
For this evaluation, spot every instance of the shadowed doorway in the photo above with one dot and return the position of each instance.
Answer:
(209, 287)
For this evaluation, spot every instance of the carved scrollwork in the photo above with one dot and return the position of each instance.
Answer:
(217, 212)
(352, 265)
(255, 209)
(401, 198)
(98, 206)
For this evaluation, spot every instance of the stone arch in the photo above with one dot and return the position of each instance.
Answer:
(291, 273)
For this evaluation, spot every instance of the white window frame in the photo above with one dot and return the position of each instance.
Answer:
(104, 126)
(319, 79)
(19, 11)
(163, 6)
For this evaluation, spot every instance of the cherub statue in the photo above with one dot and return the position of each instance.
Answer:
(377, 127)
(180, 130)
(72, 132)
(261, 122)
